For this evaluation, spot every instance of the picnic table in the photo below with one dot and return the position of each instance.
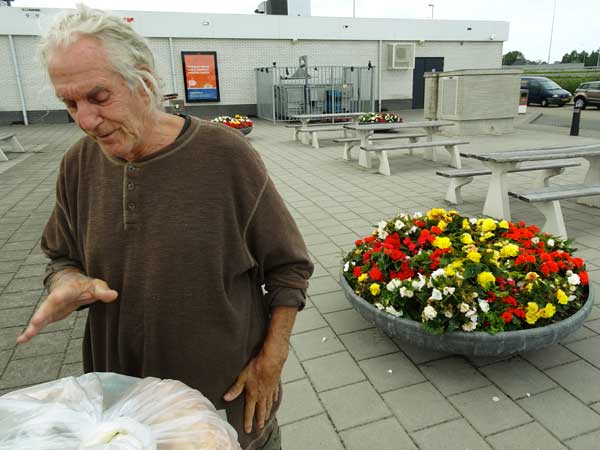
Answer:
(364, 130)
(501, 163)
(306, 118)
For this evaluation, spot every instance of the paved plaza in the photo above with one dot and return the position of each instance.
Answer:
(347, 385)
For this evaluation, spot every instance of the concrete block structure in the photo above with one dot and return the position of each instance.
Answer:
(478, 101)
(245, 42)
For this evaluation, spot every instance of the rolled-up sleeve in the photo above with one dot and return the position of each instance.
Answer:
(275, 242)
(59, 239)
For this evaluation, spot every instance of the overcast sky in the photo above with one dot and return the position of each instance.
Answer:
(577, 23)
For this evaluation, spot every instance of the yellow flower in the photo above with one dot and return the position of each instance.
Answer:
(457, 264)
(563, 299)
(486, 279)
(375, 289)
(363, 277)
(503, 224)
(474, 256)
(487, 235)
(532, 307)
(531, 276)
(488, 225)
(449, 271)
(442, 225)
(550, 309)
(509, 250)
(531, 318)
(442, 242)
(466, 225)
(466, 239)
(436, 214)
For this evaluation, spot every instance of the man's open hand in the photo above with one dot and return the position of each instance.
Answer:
(70, 292)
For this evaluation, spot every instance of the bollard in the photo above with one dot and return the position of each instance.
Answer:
(575, 121)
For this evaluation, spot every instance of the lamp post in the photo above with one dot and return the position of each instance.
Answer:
(353, 8)
(551, 30)
(431, 5)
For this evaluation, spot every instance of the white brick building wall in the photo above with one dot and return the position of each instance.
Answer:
(237, 59)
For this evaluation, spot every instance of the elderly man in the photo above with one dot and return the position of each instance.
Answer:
(167, 228)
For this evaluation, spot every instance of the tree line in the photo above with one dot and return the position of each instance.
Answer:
(518, 58)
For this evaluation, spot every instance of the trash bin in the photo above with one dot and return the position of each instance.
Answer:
(333, 101)
(523, 98)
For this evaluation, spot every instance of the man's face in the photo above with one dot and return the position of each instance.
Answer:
(98, 99)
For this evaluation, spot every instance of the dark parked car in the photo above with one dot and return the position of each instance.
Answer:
(545, 92)
(587, 94)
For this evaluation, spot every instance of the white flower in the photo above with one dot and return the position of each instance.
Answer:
(572, 288)
(448, 314)
(469, 326)
(463, 307)
(417, 215)
(572, 297)
(430, 283)
(574, 279)
(436, 295)
(418, 285)
(449, 290)
(535, 240)
(379, 306)
(438, 273)
(473, 220)
(484, 305)
(391, 310)
(475, 295)
(550, 242)
(472, 314)
(403, 215)
(429, 312)
(393, 285)
(347, 266)
(406, 292)
(412, 229)
(399, 224)
(381, 229)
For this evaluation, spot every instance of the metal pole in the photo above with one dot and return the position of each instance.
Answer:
(598, 59)
(18, 75)
(354, 8)
(379, 74)
(431, 5)
(173, 83)
(552, 30)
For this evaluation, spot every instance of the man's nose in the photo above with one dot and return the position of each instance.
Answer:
(88, 117)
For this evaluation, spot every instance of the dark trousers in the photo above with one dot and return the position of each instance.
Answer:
(274, 441)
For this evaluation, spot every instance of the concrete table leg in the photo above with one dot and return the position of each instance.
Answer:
(496, 202)
(592, 178)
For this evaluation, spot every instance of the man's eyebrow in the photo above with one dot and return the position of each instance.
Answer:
(95, 91)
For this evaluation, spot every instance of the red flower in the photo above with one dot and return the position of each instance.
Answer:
(397, 255)
(510, 300)
(549, 267)
(358, 243)
(583, 276)
(375, 274)
(436, 230)
(357, 271)
(507, 316)
(578, 262)
(369, 239)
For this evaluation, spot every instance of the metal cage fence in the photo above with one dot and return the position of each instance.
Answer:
(286, 91)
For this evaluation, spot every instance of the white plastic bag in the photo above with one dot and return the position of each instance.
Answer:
(112, 412)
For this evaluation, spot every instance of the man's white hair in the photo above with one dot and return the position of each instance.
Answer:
(127, 51)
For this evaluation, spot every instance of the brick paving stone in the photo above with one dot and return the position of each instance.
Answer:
(10, 267)
(21, 245)
(25, 372)
(368, 344)
(386, 434)
(31, 271)
(23, 284)
(74, 351)
(562, 413)
(307, 320)
(418, 355)
(14, 255)
(588, 349)
(78, 327)
(4, 358)
(299, 402)
(319, 271)
(333, 371)
(489, 411)
(65, 324)
(8, 337)
(354, 405)
(390, 372)
(528, 381)
(44, 344)
(528, 437)
(5, 279)
(331, 261)
(455, 435)
(420, 406)
(322, 286)
(583, 333)
(347, 321)
(453, 375)
(15, 317)
(71, 370)
(292, 370)
(580, 378)
(313, 344)
(550, 357)
(332, 301)
(19, 299)
(314, 433)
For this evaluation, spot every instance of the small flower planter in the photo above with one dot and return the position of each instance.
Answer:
(475, 344)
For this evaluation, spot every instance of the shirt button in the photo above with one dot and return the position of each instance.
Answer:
(130, 186)
(131, 168)
(131, 206)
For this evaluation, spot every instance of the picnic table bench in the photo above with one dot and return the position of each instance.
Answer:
(306, 118)
(501, 163)
(351, 142)
(12, 138)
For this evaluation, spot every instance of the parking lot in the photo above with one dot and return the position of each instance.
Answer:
(562, 116)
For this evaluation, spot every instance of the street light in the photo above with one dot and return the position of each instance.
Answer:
(353, 8)
(431, 5)
(551, 31)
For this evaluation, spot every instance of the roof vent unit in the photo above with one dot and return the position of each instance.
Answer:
(401, 56)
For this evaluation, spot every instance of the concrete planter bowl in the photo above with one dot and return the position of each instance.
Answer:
(475, 344)
(245, 130)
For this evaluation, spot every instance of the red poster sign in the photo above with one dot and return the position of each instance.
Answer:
(201, 76)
